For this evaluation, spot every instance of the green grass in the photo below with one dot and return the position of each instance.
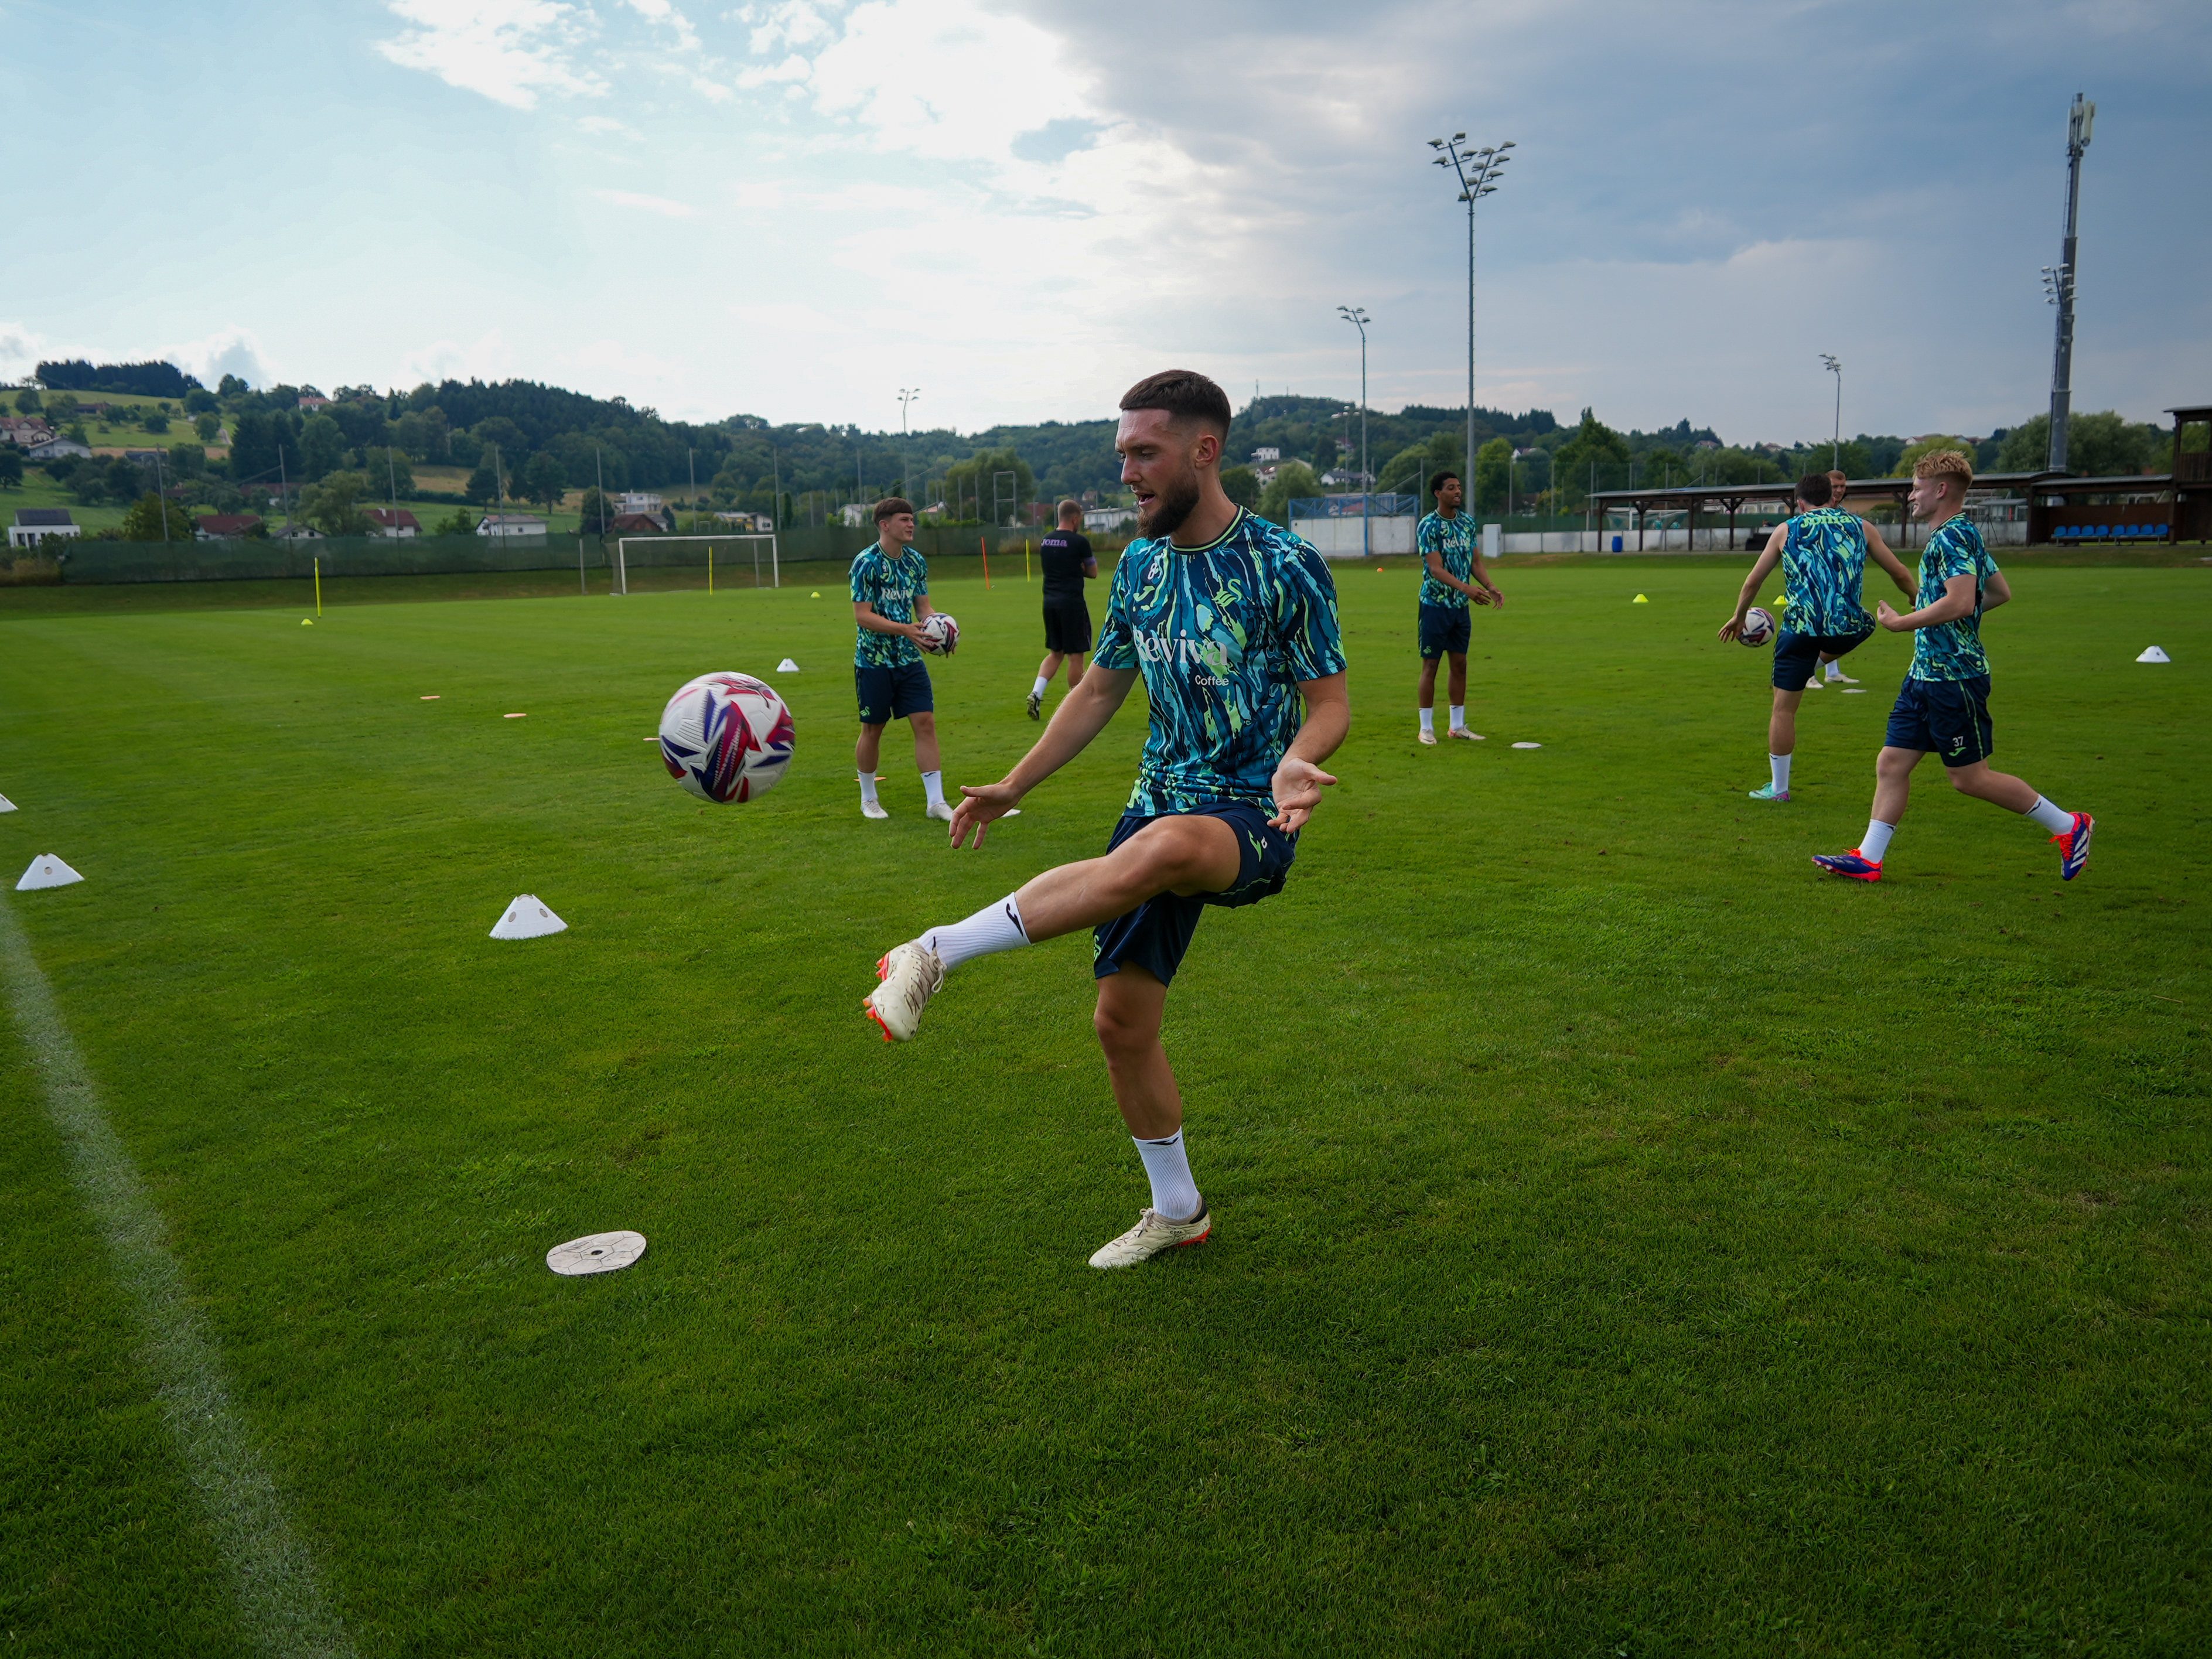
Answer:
(1629, 1242)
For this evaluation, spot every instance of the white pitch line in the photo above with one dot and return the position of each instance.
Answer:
(281, 1605)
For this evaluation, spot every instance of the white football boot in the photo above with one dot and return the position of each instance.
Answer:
(1461, 731)
(1153, 1233)
(1428, 737)
(942, 812)
(873, 809)
(911, 975)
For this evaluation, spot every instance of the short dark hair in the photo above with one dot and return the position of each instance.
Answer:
(1068, 506)
(1437, 481)
(892, 505)
(1813, 489)
(1184, 393)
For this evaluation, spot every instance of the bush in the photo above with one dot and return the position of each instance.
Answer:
(155, 421)
(35, 571)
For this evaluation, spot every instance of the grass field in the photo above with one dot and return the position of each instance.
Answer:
(1629, 1242)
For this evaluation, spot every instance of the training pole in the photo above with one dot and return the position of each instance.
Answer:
(319, 587)
(984, 543)
(1025, 562)
(710, 567)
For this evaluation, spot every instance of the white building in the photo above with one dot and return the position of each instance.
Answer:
(1104, 520)
(511, 524)
(635, 501)
(858, 515)
(54, 448)
(35, 524)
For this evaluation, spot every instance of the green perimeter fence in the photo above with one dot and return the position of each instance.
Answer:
(93, 563)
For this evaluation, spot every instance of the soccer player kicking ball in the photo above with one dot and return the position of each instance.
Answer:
(1066, 556)
(890, 601)
(1451, 566)
(1944, 704)
(1823, 555)
(1232, 623)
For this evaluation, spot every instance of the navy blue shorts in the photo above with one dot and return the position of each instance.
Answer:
(1950, 718)
(1796, 654)
(892, 693)
(1444, 631)
(1155, 935)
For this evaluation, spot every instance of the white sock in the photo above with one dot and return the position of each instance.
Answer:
(995, 927)
(867, 786)
(1877, 839)
(1779, 764)
(1428, 719)
(1835, 670)
(932, 783)
(1174, 1194)
(1037, 690)
(2049, 816)
(1459, 717)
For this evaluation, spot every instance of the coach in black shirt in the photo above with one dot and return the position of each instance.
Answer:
(1068, 565)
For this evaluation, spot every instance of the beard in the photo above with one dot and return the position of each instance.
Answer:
(1164, 514)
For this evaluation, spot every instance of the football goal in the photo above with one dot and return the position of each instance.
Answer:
(735, 544)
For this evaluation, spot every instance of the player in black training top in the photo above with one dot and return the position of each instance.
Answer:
(1068, 565)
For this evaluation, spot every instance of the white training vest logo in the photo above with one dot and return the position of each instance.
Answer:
(1172, 649)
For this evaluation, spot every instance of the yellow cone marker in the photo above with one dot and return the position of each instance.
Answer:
(1639, 599)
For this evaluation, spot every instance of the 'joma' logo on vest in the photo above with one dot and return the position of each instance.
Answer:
(1212, 654)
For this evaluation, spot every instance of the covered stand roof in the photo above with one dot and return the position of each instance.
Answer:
(1733, 498)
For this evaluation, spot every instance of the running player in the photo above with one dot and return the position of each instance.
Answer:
(1944, 703)
(1232, 625)
(1066, 556)
(1823, 554)
(1452, 565)
(890, 601)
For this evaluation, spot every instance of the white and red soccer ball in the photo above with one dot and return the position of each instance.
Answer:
(939, 633)
(1758, 626)
(727, 737)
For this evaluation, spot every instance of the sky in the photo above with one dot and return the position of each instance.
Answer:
(795, 209)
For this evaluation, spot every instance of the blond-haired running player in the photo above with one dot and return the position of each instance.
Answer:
(1944, 703)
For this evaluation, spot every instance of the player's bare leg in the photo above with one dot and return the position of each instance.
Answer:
(1428, 699)
(1075, 669)
(866, 753)
(1131, 1004)
(931, 767)
(1781, 743)
(1458, 683)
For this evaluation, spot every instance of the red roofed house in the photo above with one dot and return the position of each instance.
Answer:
(636, 523)
(394, 522)
(224, 526)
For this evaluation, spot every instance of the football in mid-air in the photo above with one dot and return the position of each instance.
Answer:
(727, 737)
(1758, 626)
(939, 633)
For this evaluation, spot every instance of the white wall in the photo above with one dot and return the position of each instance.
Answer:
(1340, 538)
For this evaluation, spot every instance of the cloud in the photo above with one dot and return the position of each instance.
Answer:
(660, 204)
(21, 349)
(231, 351)
(609, 126)
(509, 51)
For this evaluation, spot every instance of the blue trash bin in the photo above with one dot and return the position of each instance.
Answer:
(1616, 543)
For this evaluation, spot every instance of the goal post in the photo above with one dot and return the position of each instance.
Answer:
(774, 563)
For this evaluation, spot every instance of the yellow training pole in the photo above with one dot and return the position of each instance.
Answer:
(1025, 560)
(319, 587)
(710, 567)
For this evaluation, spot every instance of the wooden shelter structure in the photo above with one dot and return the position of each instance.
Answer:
(1731, 498)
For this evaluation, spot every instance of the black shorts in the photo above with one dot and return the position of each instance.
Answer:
(1444, 630)
(1067, 627)
(1950, 718)
(891, 694)
(1795, 654)
(1155, 935)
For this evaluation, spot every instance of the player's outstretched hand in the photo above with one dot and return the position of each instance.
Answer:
(1731, 628)
(1297, 790)
(1887, 617)
(981, 808)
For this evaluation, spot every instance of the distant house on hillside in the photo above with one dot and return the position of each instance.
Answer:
(758, 522)
(24, 430)
(313, 404)
(636, 524)
(1102, 520)
(299, 533)
(35, 524)
(391, 521)
(52, 449)
(226, 527)
(516, 525)
(146, 457)
(636, 502)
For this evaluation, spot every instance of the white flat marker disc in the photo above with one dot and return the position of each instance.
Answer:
(1855, 690)
(1527, 745)
(596, 1253)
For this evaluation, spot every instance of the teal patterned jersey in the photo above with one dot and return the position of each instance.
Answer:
(1823, 571)
(1952, 650)
(1223, 633)
(891, 586)
(1453, 538)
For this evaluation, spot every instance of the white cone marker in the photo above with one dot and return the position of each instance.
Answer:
(528, 918)
(46, 871)
(786, 666)
(6, 806)
(596, 1253)
(2152, 653)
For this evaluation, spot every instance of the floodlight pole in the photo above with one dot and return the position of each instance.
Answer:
(1358, 317)
(1836, 444)
(2059, 282)
(907, 395)
(1478, 173)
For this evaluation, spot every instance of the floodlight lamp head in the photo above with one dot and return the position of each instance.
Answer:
(1436, 144)
(1459, 137)
(1508, 144)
